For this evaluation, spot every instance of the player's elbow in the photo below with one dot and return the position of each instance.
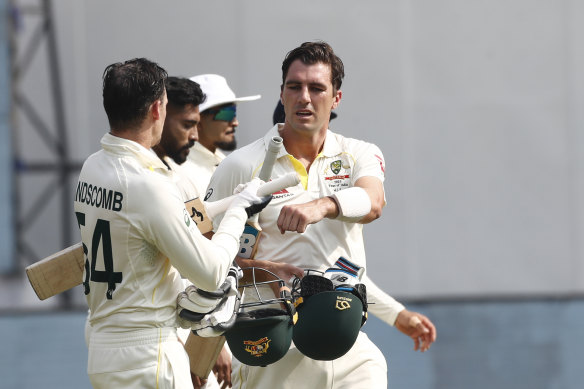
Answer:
(375, 211)
(374, 214)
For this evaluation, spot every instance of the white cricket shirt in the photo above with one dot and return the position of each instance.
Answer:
(138, 236)
(200, 165)
(340, 164)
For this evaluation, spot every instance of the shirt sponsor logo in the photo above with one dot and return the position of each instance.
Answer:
(209, 193)
(281, 194)
(99, 197)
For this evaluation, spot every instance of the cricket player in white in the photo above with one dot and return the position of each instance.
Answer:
(216, 130)
(310, 226)
(137, 237)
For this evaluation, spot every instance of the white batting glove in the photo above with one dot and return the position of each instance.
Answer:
(248, 199)
(344, 272)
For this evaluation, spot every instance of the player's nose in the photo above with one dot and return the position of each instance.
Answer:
(194, 134)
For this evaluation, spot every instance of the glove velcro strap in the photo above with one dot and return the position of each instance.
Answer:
(190, 315)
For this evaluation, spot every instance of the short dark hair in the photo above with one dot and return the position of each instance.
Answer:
(182, 91)
(129, 89)
(314, 52)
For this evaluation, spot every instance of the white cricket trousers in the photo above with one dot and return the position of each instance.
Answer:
(362, 367)
(150, 358)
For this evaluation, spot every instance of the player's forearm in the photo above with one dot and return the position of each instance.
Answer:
(206, 262)
(382, 305)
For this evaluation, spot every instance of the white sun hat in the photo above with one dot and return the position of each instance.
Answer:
(217, 91)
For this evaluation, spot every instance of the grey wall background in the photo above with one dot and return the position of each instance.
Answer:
(477, 106)
(6, 239)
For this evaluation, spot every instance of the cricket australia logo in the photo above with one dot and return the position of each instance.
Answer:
(336, 166)
(257, 348)
(343, 303)
(186, 217)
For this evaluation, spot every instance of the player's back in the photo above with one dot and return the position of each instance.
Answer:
(127, 280)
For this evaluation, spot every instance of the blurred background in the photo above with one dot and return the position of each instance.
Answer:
(478, 107)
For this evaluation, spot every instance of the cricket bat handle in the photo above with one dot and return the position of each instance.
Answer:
(270, 158)
(217, 207)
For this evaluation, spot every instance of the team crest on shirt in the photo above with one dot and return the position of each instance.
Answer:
(336, 166)
(337, 174)
(257, 348)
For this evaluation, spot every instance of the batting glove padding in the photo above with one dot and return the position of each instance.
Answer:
(210, 313)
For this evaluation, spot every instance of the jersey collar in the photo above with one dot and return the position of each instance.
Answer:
(331, 146)
(122, 146)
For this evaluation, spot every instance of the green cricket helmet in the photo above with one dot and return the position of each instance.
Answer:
(262, 332)
(329, 317)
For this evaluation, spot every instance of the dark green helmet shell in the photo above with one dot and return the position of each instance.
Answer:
(328, 324)
(260, 337)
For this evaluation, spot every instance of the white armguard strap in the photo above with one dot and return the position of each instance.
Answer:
(354, 204)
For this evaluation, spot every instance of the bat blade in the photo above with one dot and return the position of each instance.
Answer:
(198, 214)
(203, 353)
(58, 272)
(248, 242)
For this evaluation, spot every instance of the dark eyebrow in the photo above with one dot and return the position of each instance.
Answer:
(313, 84)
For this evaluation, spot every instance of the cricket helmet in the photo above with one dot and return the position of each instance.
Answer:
(329, 316)
(262, 332)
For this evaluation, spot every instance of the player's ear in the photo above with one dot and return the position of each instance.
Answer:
(156, 109)
(337, 98)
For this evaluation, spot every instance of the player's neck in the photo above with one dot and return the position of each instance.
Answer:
(142, 136)
(209, 145)
(303, 146)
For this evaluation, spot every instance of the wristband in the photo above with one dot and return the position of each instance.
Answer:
(354, 203)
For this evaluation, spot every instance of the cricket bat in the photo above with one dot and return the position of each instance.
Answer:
(64, 270)
(248, 243)
(203, 352)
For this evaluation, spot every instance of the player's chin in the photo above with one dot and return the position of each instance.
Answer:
(180, 158)
(227, 143)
